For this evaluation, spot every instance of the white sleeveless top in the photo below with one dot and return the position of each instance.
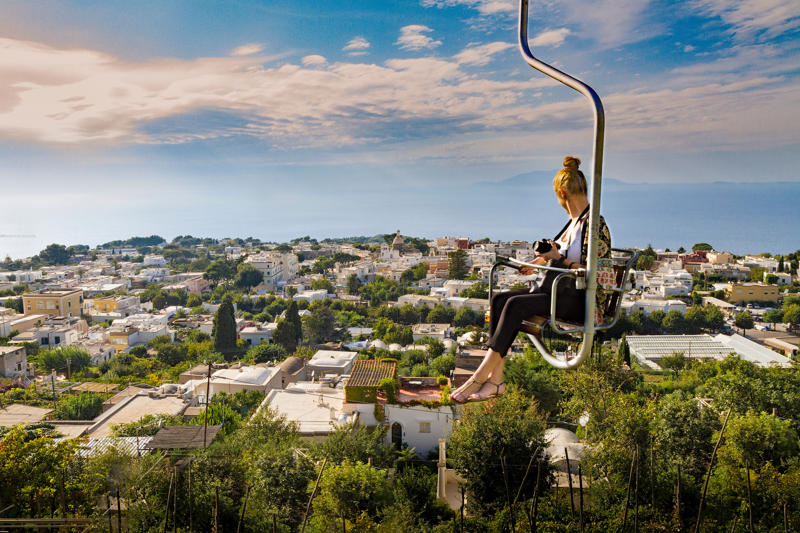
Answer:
(571, 241)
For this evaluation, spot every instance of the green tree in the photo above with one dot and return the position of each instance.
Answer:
(170, 354)
(743, 320)
(248, 276)
(220, 270)
(353, 284)
(279, 479)
(322, 265)
(358, 443)
(440, 315)
(289, 331)
(320, 325)
(757, 274)
(193, 300)
(266, 353)
(350, 492)
(773, 316)
(224, 329)
(508, 430)
(702, 246)
(466, 317)
(715, 320)
(695, 319)
(791, 315)
(84, 406)
(675, 361)
(323, 283)
(685, 433)
(755, 439)
(477, 290)
(46, 360)
(442, 365)
(457, 264)
(674, 322)
(55, 254)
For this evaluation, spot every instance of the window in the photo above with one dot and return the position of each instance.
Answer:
(57, 339)
(51, 305)
(45, 340)
(424, 427)
(39, 305)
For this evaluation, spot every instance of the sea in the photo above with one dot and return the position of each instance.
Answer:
(743, 218)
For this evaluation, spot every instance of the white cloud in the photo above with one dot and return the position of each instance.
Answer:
(613, 23)
(426, 104)
(247, 49)
(83, 96)
(481, 54)
(357, 46)
(554, 38)
(753, 18)
(689, 48)
(412, 37)
(314, 60)
(484, 7)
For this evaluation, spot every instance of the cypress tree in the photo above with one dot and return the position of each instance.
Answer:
(224, 331)
(290, 329)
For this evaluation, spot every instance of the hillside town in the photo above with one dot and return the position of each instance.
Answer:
(146, 346)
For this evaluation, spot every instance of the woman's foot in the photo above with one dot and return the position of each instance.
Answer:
(471, 386)
(488, 390)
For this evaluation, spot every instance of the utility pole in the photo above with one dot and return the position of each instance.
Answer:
(208, 404)
(53, 383)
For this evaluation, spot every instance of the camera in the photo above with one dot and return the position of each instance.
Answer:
(543, 246)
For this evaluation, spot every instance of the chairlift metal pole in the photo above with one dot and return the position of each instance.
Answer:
(596, 179)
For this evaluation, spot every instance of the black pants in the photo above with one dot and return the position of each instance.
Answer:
(510, 308)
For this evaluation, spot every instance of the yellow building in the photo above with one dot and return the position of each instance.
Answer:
(106, 305)
(738, 293)
(121, 339)
(54, 302)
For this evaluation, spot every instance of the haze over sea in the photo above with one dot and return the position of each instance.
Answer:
(737, 217)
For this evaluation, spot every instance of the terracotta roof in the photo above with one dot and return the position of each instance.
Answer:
(369, 372)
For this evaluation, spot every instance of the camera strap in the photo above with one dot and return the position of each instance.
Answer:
(580, 219)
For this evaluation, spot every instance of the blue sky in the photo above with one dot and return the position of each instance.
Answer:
(166, 116)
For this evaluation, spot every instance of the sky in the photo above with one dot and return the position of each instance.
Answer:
(283, 118)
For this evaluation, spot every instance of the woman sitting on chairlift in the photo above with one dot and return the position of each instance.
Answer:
(509, 309)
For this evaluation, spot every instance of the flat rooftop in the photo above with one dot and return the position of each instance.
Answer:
(17, 413)
(135, 409)
(315, 407)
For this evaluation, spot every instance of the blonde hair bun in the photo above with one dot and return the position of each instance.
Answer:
(571, 163)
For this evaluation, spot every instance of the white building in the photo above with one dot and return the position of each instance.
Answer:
(648, 305)
(255, 335)
(232, 380)
(437, 331)
(316, 408)
(13, 361)
(331, 362)
(312, 295)
(276, 267)
(154, 260)
(767, 263)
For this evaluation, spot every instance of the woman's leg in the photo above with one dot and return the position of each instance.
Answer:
(522, 304)
(517, 309)
(497, 304)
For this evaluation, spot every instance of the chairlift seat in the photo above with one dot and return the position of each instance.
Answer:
(535, 324)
